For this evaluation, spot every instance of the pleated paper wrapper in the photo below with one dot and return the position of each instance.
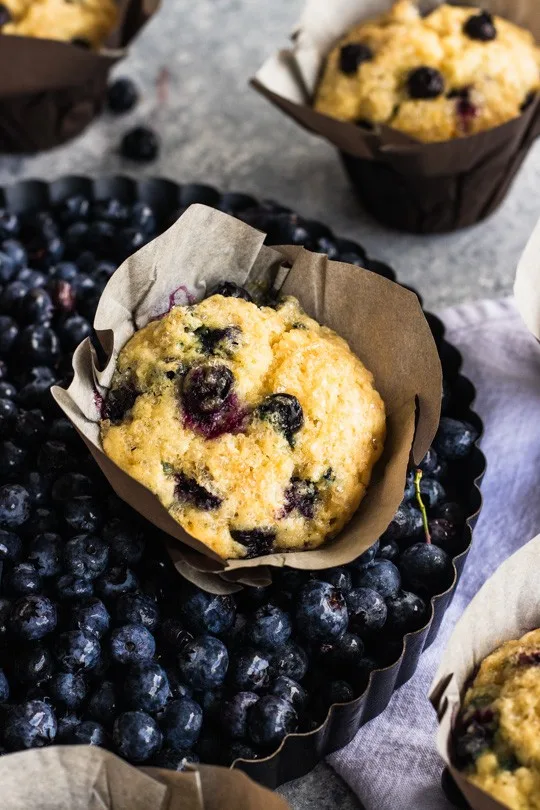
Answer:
(408, 185)
(382, 322)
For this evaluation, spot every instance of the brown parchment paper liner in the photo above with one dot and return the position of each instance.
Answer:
(383, 323)
(424, 188)
(89, 778)
(50, 91)
(527, 283)
(505, 608)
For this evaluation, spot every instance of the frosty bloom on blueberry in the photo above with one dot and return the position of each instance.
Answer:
(255, 434)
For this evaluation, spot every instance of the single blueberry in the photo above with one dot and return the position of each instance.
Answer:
(86, 556)
(67, 689)
(10, 546)
(230, 290)
(7, 390)
(250, 670)
(35, 307)
(73, 331)
(389, 550)
(84, 514)
(146, 687)
(38, 344)
(89, 732)
(11, 460)
(290, 660)
(345, 654)
(426, 568)
(37, 485)
(74, 208)
(455, 439)
(119, 401)
(352, 56)
(283, 412)
(75, 651)
(70, 485)
(257, 542)
(31, 664)
(290, 690)
(203, 662)
(137, 608)
(30, 427)
(406, 613)
(9, 332)
(407, 522)
(103, 704)
(381, 576)
(131, 644)
(206, 389)
(268, 628)
(425, 83)
(144, 218)
(33, 617)
(29, 725)
(173, 635)
(203, 612)
(14, 505)
(70, 587)
(126, 541)
(270, 720)
(23, 579)
(136, 736)
(481, 27)
(321, 612)
(181, 723)
(54, 458)
(140, 144)
(432, 492)
(233, 715)
(67, 723)
(367, 610)
(339, 578)
(188, 491)
(117, 580)
(452, 512)
(446, 535)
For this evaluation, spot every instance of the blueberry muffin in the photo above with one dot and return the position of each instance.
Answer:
(497, 737)
(256, 427)
(83, 22)
(455, 72)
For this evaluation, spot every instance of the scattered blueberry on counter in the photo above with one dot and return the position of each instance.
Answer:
(100, 641)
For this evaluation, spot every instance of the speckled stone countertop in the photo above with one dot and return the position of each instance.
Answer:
(215, 129)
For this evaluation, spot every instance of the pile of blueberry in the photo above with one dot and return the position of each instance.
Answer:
(101, 642)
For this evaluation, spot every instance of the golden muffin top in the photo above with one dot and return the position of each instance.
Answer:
(452, 73)
(85, 22)
(256, 427)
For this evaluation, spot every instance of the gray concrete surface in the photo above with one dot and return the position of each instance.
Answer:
(215, 129)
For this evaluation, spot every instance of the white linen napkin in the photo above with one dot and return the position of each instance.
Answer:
(392, 764)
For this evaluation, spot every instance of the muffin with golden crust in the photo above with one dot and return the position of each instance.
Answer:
(86, 22)
(454, 72)
(497, 735)
(256, 427)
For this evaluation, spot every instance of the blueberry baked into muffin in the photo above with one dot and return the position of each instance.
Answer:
(256, 427)
(455, 72)
(497, 737)
(83, 22)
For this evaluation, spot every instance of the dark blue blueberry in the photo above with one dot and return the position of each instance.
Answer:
(7, 390)
(9, 224)
(67, 689)
(337, 577)
(321, 612)
(432, 492)
(16, 252)
(301, 495)
(455, 439)
(203, 612)
(389, 550)
(10, 546)
(144, 218)
(406, 613)
(206, 389)
(181, 723)
(409, 495)
(146, 687)
(256, 541)
(426, 568)
(84, 514)
(62, 430)
(8, 416)
(352, 56)
(290, 690)
(345, 654)
(131, 644)
(83, 287)
(11, 297)
(116, 581)
(173, 635)
(23, 579)
(452, 512)
(188, 491)
(67, 723)
(337, 691)
(367, 610)
(89, 732)
(218, 340)
(4, 687)
(71, 485)
(8, 266)
(37, 485)
(290, 660)
(9, 332)
(86, 556)
(174, 760)
(31, 664)
(41, 521)
(381, 576)
(70, 587)
(119, 401)
(136, 736)
(103, 272)
(230, 290)
(36, 395)
(38, 344)
(126, 541)
(140, 144)
(425, 83)
(128, 241)
(30, 427)
(54, 457)
(75, 651)
(29, 725)
(446, 535)
(11, 460)
(137, 608)
(178, 688)
(74, 208)
(430, 462)
(250, 670)
(35, 307)
(270, 720)
(73, 331)
(32, 617)
(64, 271)
(203, 662)
(90, 616)
(407, 522)
(103, 704)
(283, 412)
(122, 96)
(268, 628)
(233, 714)
(481, 27)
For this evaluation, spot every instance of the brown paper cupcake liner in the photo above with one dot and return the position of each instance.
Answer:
(407, 185)
(50, 91)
